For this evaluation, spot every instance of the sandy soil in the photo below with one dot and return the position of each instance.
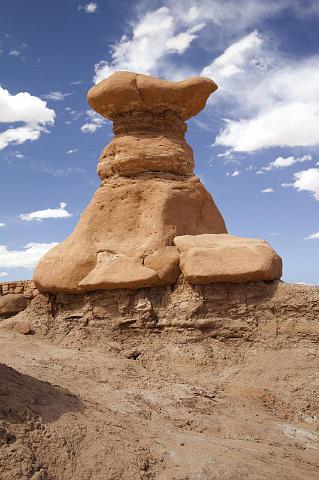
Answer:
(158, 405)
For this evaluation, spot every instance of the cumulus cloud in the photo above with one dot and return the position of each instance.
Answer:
(3, 274)
(235, 58)
(30, 110)
(158, 34)
(282, 162)
(2, 224)
(313, 236)
(26, 258)
(259, 85)
(294, 124)
(95, 122)
(147, 49)
(261, 89)
(268, 190)
(307, 180)
(41, 215)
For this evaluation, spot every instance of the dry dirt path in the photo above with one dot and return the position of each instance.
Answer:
(176, 409)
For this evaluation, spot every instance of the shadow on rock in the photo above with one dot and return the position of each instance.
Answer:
(23, 397)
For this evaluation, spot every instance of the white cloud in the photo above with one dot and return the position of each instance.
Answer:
(154, 38)
(287, 185)
(294, 124)
(95, 122)
(234, 174)
(260, 87)
(180, 43)
(90, 127)
(268, 190)
(226, 18)
(90, 7)
(151, 40)
(26, 258)
(74, 150)
(60, 172)
(228, 155)
(3, 274)
(2, 224)
(56, 96)
(235, 58)
(23, 107)
(282, 162)
(313, 236)
(14, 53)
(307, 180)
(40, 215)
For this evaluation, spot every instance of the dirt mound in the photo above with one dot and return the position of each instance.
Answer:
(92, 397)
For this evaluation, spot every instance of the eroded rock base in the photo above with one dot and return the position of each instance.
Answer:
(218, 382)
(267, 312)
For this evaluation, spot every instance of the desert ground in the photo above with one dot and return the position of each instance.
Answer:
(95, 399)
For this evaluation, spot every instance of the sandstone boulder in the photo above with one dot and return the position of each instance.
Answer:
(22, 326)
(126, 91)
(226, 258)
(118, 271)
(11, 304)
(165, 262)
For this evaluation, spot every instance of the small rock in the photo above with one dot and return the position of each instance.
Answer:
(12, 303)
(133, 354)
(20, 326)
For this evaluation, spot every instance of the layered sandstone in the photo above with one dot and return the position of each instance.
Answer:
(226, 258)
(15, 297)
(149, 200)
(148, 195)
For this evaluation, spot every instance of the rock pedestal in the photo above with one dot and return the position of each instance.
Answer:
(148, 195)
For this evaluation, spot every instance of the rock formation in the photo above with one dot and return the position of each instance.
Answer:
(148, 196)
(15, 297)
(225, 258)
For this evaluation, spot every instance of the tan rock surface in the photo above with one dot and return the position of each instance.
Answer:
(12, 303)
(125, 91)
(226, 258)
(118, 271)
(165, 262)
(128, 217)
(129, 155)
(22, 325)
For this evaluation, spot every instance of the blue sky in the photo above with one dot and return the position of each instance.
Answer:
(256, 145)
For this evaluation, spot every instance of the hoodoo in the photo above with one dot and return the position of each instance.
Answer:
(148, 196)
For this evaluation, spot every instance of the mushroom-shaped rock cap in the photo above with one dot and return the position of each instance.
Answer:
(125, 91)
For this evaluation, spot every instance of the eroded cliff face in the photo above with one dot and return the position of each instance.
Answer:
(217, 382)
(272, 313)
